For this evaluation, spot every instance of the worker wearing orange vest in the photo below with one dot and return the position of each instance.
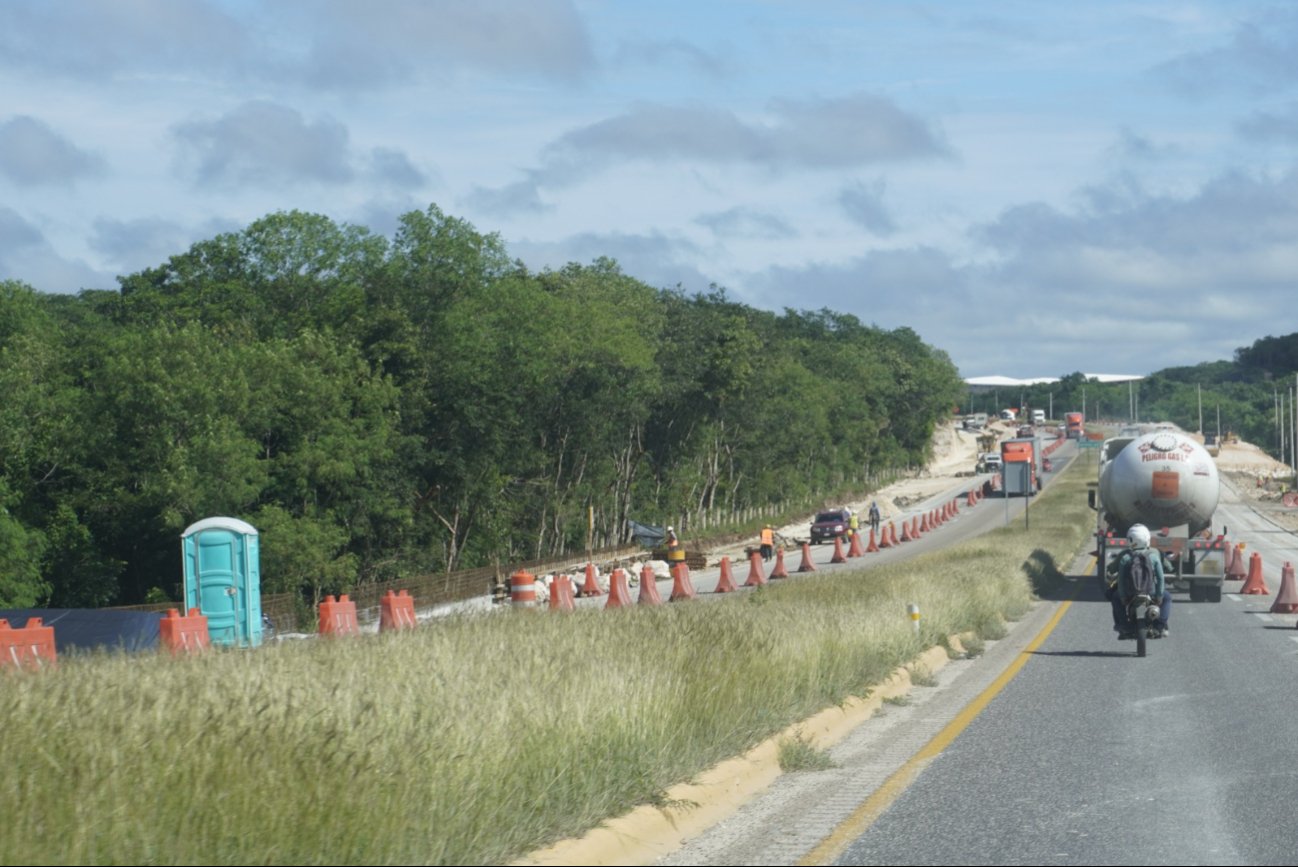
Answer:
(768, 542)
(675, 552)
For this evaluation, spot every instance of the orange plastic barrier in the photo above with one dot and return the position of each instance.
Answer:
(1286, 601)
(649, 594)
(780, 570)
(1254, 585)
(396, 611)
(619, 591)
(756, 575)
(682, 584)
(591, 586)
(186, 634)
(338, 616)
(30, 647)
(562, 594)
(726, 583)
(807, 564)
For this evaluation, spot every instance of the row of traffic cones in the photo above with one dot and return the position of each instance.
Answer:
(562, 592)
(1286, 600)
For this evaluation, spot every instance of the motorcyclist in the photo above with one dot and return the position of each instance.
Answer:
(1120, 591)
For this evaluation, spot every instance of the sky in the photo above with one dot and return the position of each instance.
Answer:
(1034, 188)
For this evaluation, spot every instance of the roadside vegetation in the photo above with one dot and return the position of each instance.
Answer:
(382, 408)
(474, 740)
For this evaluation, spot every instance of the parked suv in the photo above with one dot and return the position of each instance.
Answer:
(828, 525)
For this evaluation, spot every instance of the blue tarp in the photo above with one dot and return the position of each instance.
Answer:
(89, 628)
(647, 534)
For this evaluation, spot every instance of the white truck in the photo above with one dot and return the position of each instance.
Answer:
(1168, 482)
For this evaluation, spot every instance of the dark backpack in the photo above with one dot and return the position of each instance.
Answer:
(1142, 574)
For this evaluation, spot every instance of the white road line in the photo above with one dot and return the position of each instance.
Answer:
(1233, 597)
(1262, 615)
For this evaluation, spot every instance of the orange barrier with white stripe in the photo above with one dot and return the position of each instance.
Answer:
(186, 634)
(396, 611)
(31, 647)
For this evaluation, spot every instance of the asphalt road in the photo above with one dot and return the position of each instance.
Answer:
(1086, 755)
(1093, 756)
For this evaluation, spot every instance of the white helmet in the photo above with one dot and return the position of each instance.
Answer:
(1138, 536)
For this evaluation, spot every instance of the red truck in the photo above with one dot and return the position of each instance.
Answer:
(1073, 426)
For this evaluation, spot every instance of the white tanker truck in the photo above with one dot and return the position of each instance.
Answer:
(1168, 482)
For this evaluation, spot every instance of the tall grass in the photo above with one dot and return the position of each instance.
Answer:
(472, 740)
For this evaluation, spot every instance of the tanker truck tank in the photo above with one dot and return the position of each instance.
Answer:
(1161, 479)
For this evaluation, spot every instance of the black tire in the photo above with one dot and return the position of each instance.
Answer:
(1199, 592)
(1140, 639)
(1214, 593)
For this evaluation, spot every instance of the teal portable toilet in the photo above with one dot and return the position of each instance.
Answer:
(223, 579)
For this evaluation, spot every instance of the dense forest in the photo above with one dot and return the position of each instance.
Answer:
(1244, 396)
(380, 408)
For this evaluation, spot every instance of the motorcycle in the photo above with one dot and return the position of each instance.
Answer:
(1143, 613)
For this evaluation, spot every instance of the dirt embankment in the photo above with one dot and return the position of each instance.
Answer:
(1260, 479)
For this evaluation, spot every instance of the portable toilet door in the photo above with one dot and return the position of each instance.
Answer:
(223, 579)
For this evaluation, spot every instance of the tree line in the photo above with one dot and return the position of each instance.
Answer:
(1240, 396)
(380, 408)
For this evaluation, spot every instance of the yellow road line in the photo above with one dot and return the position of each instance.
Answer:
(873, 807)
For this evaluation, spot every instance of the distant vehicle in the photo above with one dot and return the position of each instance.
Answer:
(1019, 467)
(1073, 423)
(991, 461)
(829, 525)
(1008, 415)
(975, 421)
(1026, 430)
(1038, 416)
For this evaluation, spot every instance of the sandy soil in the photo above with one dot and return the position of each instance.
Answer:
(1260, 479)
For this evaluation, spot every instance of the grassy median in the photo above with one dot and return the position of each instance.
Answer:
(473, 740)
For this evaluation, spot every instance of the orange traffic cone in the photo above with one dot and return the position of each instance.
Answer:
(905, 531)
(1253, 584)
(726, 584)
(892, 531)
(756, 577)
(873, 547)
(885, 540)
(561, 594)
(591, 587)
(807, 564)
(1235, 571)
(649, 594)
(855, 549)
(1286, 601)
(779, 571)
(915, 530)
(924, 525)
(838, 551)
(619, 594)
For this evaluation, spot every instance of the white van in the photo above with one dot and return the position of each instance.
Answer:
(1038, 416)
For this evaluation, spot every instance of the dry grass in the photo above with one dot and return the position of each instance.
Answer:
(475, 739)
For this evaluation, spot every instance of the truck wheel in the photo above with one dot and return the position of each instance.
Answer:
(1198, 593)
(1214, 593)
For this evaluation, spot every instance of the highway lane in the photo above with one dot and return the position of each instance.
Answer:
(1092, 756)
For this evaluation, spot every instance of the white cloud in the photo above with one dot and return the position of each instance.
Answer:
(32, 154)
(262, 142)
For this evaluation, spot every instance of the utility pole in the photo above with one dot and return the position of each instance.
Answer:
(1199, 388)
